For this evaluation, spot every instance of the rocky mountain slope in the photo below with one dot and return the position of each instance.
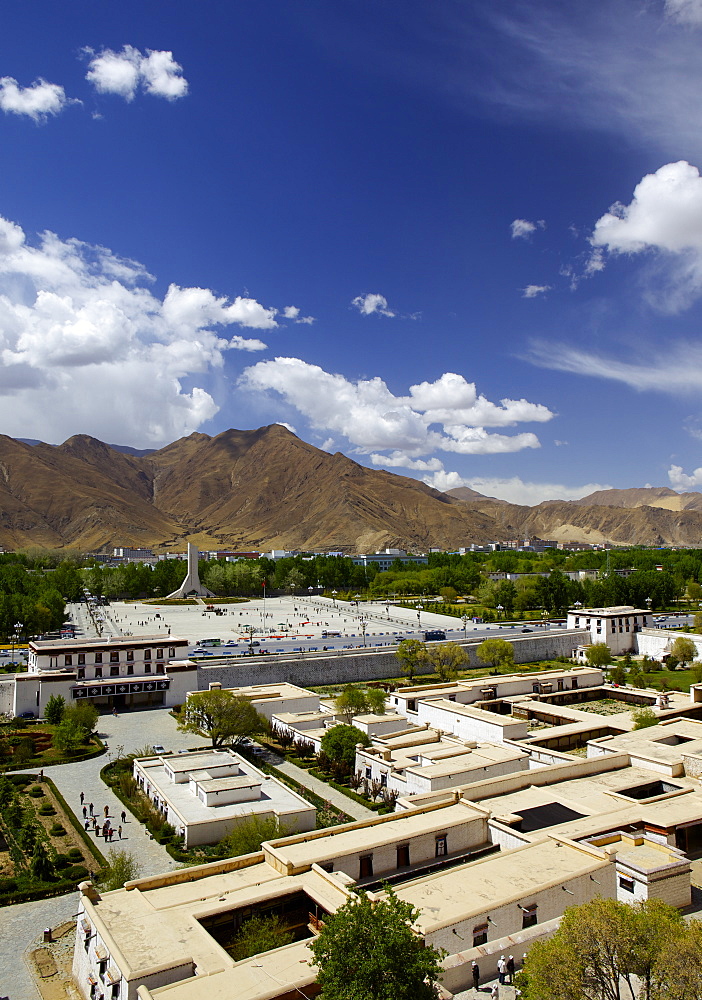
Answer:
(266, 489)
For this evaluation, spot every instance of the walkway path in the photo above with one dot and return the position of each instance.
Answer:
(326, 792)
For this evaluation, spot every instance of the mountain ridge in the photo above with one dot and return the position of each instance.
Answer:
(266, 488)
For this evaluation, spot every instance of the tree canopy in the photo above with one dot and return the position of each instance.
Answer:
(339, 743)
(411, 653)
(603, 944)
(369, 951)
(224, 718)
(447, 658)
(497, 652)
(598, 654)
(353, 700)
(683, 649)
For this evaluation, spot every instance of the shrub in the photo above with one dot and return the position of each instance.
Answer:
(62, 861)
(76, 873)
(36, 792)
(75, 855)
(47, 810)
(8, 885)
(57, 830)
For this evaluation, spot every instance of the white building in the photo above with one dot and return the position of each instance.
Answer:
(206, 793)
(617, 627)
(119, 672)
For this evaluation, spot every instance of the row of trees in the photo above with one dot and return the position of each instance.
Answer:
(447, 658)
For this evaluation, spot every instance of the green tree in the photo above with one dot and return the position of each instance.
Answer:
(598, 654)
(697, 623)
(447, 658)
(352, 701)
(68, 736)
(412, 654)
(677, 973)
(224, 718)
(258, 934)
(339, 744)
(85, 715)
(55, 707)
(122, 866)
(683, 649)
(497, 652)
(617, 675)
(448, 594)
(600, 945)
(247, 836)
(644, 717)
(370, 950)
(41, 866)
(375, 699)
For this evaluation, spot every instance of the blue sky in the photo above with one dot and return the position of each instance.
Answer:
(461, 241)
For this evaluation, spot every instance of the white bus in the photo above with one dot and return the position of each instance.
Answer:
(209, 642)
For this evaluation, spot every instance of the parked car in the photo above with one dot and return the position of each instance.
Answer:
(157, 748)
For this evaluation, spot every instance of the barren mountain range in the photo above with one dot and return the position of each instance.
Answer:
(266, 488)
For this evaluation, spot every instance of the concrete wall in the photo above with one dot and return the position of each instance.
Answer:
(310, 670)
(484, 727)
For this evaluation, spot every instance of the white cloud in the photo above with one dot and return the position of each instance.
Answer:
(372, 303)
(684, 11)
(523, 229)
(122, 73)
(293, 313)
(290, 427)
(398, 459)
(531, 291)
(375, 420)
(85, 346)
(514, 489)
(680, 481)
(37, 101)
(674, 370)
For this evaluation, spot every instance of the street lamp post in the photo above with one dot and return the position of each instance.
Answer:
(464, 619)
(420, 608)
(16, 635)
(500, 609)
(334, 593)
(649, 602)
(363, 629)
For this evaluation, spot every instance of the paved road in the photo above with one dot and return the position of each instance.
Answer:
(326, 792)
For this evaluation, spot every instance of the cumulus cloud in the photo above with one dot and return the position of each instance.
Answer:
(531, 291)
(86, 346)
(293, 313)
(663, 218)
(374, 420)
(514, 489)
(38, 101)
(398, 460)
(680, 481)
(123, 73)
(523, 229)
(372, 303)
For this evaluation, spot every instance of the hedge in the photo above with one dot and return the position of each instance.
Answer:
(72, 818)
(74, 759)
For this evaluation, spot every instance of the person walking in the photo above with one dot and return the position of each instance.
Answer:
(85, 813)
(90, 807)
(510, 969)
(107, 811)
(82, 798)
(124, 816)
(119, 832)
(502, 969)
(476, 975)
(87, 825)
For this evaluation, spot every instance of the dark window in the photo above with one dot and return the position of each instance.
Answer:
(159, 654)
(130, 668)
(440, 849)
(130, 654)
(98, 671)
(411, 705)
(68, 660)
(114, 656)
(328, 866)
(147, 654)
(369, 773)
(114, 671)
(626, 883)
(115, 991)
(403, 855)
(535, 688)
(384, 780)
(98, 657)
(366, 869)
(81, 674)
(81, 659)
(147, 668)
(171, 651)
(529, 916)
(160, 669)
(480, 934)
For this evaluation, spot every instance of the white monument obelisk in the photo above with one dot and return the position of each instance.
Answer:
(191, 584)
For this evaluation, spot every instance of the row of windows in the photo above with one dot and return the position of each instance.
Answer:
(114, 656)
(529, 919)
(115, 671)
(403, 856)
